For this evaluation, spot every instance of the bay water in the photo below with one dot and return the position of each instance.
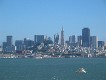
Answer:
(53, 69)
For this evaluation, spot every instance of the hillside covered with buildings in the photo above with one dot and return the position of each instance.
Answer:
(84, 45)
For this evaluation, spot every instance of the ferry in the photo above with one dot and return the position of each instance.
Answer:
(81, 70)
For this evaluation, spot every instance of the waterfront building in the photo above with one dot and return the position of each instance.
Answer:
(38, 39)
(93, 42)
(9, 41)
(56, 39)
(62, 37)
(85, 37)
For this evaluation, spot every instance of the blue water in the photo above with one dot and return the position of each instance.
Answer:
(52, 69)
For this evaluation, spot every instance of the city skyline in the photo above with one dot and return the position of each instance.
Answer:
(62, 37)
(85, 38)
(76, 44)
(25, 18)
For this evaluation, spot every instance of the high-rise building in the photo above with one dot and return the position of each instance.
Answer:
(62, 37)
(9, 41)
(38, 39)
(56, 38)
(72, 39)
(8, 45)
(85, 37)
(10, 49)
(93, 42)
(4, 46)
(19, 45)
(28, 43)
(79, 40)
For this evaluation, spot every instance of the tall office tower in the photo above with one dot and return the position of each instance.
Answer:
(72, 39)
(4, 46)
(38, 39)
(9, 41)
(56, 38)
(93, 42)
(85, 37)
(28, 43)
(19, 45)
(62, 37)
(79, 40)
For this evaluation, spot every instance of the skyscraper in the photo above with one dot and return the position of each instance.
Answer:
(79, 40)
(38, 39)
(56, 38)
(10, 48)
(85, 37)
(4, 46)
(93, 42)
(9, 41)
(19, 45)
(62, 37)
(72, 39)
(28, 43)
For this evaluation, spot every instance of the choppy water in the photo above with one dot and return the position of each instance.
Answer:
(52, 69)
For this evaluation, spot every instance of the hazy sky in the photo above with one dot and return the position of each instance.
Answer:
(25, 18)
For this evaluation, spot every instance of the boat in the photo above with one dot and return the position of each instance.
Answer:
(38, 57)
(81, 70)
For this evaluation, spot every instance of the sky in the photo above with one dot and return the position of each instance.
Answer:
(25, 18)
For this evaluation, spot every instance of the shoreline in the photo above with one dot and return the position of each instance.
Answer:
(40, 56)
